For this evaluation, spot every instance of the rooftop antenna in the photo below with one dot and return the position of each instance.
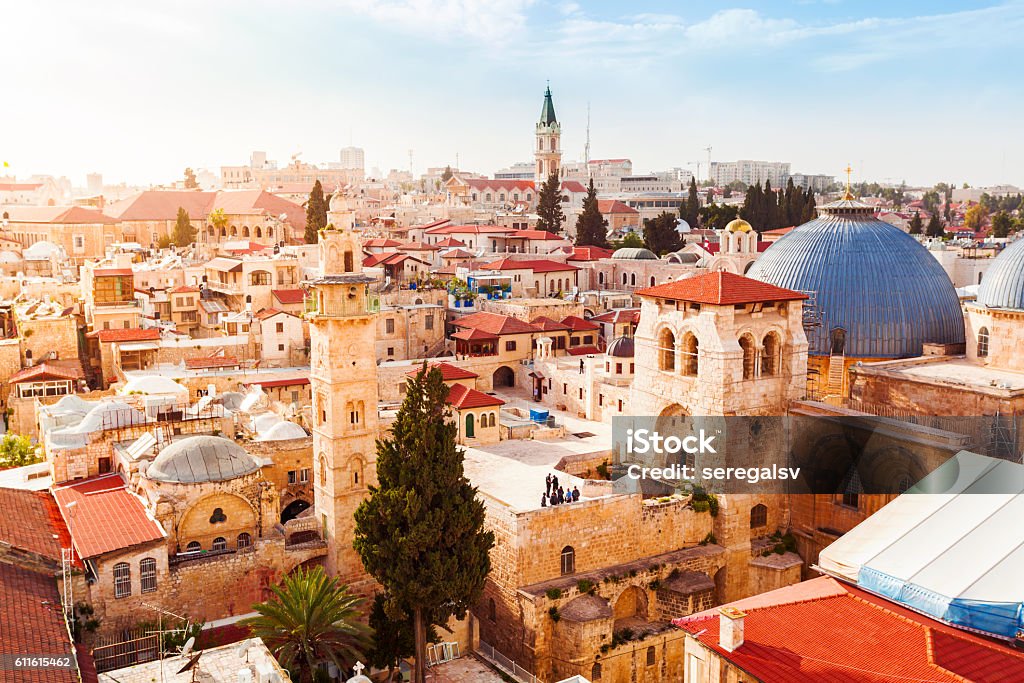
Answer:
(586, 148)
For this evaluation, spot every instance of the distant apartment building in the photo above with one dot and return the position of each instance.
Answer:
(263, 174)
(651, 182)
(749, 172)
(973, 194)
(521, 170)
(817, 182)
(607, 173)
(353, 158)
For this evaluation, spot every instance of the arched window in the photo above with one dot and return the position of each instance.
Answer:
(259, 231)
(244, 540)
(220, 543)
(600, 278)
(983, 342)
(758, 516)
(568, 560)
(245, 231)
(234, 231)
(770, 354)
(469, 426)
(749, 356)
(261, 278)
(193, 547)
(653, 281)
(492, 610)
(667, 350)
(625, 278)
(122, 580)
(349, 267)
(632, 279)
(223, 232)
(270, 232)
(650, 656)
(691, 355)
(147, 574)
(595, 672)
(323, 470)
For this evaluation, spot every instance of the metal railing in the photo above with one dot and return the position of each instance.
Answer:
(505, 664)
(135, 648)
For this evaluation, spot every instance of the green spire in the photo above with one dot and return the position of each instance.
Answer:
(547, 114)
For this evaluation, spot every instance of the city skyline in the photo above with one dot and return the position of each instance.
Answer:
(149, 91)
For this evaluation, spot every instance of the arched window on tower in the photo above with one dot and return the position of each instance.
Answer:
(983, 342)
(667, 350)
(568, 560)
(691, 355)
(749, 356)
(770, 355)
(349, 267)
(758, 516)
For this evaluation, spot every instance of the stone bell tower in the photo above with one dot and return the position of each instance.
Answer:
(548, 152)
(343, 379)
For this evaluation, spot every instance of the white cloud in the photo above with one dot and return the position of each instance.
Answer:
(483, 20)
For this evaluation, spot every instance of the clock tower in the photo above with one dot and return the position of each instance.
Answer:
(343, 378)
(548, 152)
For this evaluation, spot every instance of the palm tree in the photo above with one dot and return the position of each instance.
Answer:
(311, 619)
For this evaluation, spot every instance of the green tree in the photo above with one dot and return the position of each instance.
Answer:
(754, 209)
(690, 211)
(591, 227)
(190, 180)
(916, 224)
(1002, 224)
(184, 233)
(311, 620)
(393, 638)
(976, 218)
(660, 234)
(717, 215)
(447, 175)
(16, 450)
(316, 213)
(420, 533)
(935, 228)
(549, 205)
(630, 240)
(218, 220)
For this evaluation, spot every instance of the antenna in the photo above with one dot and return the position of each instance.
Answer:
(586, 148)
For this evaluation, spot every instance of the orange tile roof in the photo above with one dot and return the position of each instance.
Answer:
(449, 372)
(585, 350)
(607, 206)
(461, 396)
(107, 516)
(470, 334)
(129, 335)
(539, 235)
(578, 324)
(289, 296)
(493, 323)
(211, 362)
(548, 325)
(79, 215)
(721, 289)
(48, 370)
(31, 621)
(589, 253)
(32, 523)
(536, 265)
(450, 242)
(854, 636)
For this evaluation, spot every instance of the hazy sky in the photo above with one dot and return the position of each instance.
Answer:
(921, 91)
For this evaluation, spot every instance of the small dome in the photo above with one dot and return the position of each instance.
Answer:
(1003, 284)
(153, 385)
(621, 347)
(283, 431)
(339, 202)
(634, 254)
(683, 257)
(202, 458)
(738, 225)
(682, 226)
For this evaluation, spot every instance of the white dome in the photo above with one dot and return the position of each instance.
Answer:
(283, 431)
(202, 458)
(42, 251)
(153, 384)
(265, 421)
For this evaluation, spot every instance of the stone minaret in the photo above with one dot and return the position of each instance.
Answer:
(343, 379)
(548, 151)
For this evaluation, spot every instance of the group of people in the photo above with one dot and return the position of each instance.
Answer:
(555, 494)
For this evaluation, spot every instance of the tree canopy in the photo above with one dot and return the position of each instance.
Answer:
(184, 233)
(1002, 224)
(316, 213)
(935, 228)
(420, 533)
(690, 210)
(591, 226)
(916, 224)
(16, 450)
(190, 180)
(549, 205)
(660, 234)
(976, 218)
(766, 209)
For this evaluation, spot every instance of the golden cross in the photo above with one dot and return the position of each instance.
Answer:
(848, 172)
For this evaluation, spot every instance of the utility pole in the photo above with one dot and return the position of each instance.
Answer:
(586, 148)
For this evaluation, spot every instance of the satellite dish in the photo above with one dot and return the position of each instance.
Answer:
(191, 663)
(187, 648)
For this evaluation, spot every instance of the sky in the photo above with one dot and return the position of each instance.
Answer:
(910, 91)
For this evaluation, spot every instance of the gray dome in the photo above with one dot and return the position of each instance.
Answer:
(634, 253)
(683, 257)
(867, 278)
(621, 347)
(1003, 284)
(202, 458)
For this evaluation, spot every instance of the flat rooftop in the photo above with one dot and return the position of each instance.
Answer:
(216, 664)
(950, 370)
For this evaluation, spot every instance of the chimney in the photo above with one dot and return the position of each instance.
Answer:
(730, 628)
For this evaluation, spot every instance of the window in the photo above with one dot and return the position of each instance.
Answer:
(218, 516)
(122, 580)
(220, 543)
(749, 356)
(391, 350)
(291, 476)
(694, 669)
(280, 347)
(510, 346)
(758, 516)
(428, 321)
(261, 278)
(588, 339)
(193, 547)
(389, 325)
(147, 574)
(595, 672)
(279, 328)
(568, 560)
(983, 342)
(691, 357)
(650, 656)
(349, 267)
(244, 540)
(304, 475)
(666, 350)
(770, 355)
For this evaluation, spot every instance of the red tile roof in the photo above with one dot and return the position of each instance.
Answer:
(488, 184)
(380, 242)
(607, 206)
(32, 622)
(468, 230)
(721, 289)
(546, 324)
(185, 289)
(211, 362)
(578, 324)
(584, 350)
(854, 637)
(590, 253)
(47, 371)
(268, 383)
(494, 324)
(107, 516)
(573, 186)
(32, 523)
(538, 235)
(461, 396)
(536, 265)
(619, 315)
(457, 253)
(78, 215)
(112, 272)
(418, 246)
(289, 296)
(470, 334)
(448, 371)
(129, 335)
(450, 242)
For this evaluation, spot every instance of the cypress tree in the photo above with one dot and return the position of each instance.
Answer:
(420, 533)
(549, 205)
(184, 233)
(592, 227)
(316, 213)
(809, 208)
(935, 227)
(692, 207)
(916, 224)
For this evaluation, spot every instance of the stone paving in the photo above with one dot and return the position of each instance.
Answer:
(467, 669)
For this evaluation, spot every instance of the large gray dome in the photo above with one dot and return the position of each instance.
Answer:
(202, 458)
(634, 253)
(621, 347)
(866, 278)
(1003, 283)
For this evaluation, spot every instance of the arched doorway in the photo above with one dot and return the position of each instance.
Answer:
(838, 341)
(470, 431)
(504, 377)
(630, 605)
(293, 510)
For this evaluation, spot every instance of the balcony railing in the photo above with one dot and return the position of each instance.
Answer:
(344, 308)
